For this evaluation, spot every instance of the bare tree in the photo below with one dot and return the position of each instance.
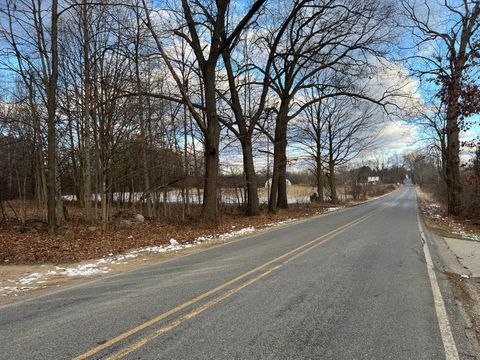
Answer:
(433, 121)
(451, 63)
(323, 36)
(351, 129)
(200, 21)
(35, 47)
(308, 132)
(242, 65)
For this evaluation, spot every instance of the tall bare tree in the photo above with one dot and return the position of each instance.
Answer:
(324, 36)
(451, 61)
(204, 19)
(35, 47)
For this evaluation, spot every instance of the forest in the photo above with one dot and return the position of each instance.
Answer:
(188, 107)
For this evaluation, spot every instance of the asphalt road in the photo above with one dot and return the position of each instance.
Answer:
(349, 285)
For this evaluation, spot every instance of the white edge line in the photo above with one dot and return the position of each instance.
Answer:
(451, 352)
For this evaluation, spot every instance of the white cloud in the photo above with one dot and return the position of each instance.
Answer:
(398, 136)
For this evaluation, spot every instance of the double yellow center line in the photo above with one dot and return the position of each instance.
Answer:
(277, 263)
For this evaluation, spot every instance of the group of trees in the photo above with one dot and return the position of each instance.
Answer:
(333, 132)
(427, 169)
(110, 95)
(446, 36)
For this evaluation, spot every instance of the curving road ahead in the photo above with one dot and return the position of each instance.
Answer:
(350, 285)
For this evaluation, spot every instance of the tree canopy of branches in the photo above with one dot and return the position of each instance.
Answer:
(127, 102)
(447, 41)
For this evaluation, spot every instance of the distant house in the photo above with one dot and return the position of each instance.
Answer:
(373, 179)
(269, 183)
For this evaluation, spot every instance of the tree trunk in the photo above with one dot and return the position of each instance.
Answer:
(209, 207)
(51, 110)
(319, 177)
(332, 182)
(87, 180)
(103, 196)
(253, 208)
(282, 201)
(212, 141)
(143, 127)
(59, 201)
(452, 170)
(278, 191)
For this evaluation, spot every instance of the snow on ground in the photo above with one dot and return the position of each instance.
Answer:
(27, 280)
(457, 230)
(176, 197)
(103, 265)
(80, 270)
(433, 211)
(15, 290)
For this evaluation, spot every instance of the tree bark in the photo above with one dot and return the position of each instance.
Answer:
(319, 177)
(103, 197)
(282, 200)
(278, 191)
(452, 170)
(212, 141)
(51, 110)
(253, 208)
(332, 182)
(87, 179)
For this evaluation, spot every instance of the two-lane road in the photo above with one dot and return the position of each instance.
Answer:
(350, 285)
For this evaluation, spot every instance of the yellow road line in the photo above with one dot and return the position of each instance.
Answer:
(129, 349)
(177, 309)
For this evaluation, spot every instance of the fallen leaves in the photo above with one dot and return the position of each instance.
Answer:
(76, 242)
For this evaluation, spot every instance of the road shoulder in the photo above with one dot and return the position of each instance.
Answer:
(460, 290)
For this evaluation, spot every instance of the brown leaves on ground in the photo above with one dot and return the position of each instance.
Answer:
(76, 241)
(435, 214)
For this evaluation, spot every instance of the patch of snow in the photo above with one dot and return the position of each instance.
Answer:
(227, 235)
(201, 239)
(80, 270)
(433, 211)
(466, 235)
(30, 278)
(99, 267)
(244, 231)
